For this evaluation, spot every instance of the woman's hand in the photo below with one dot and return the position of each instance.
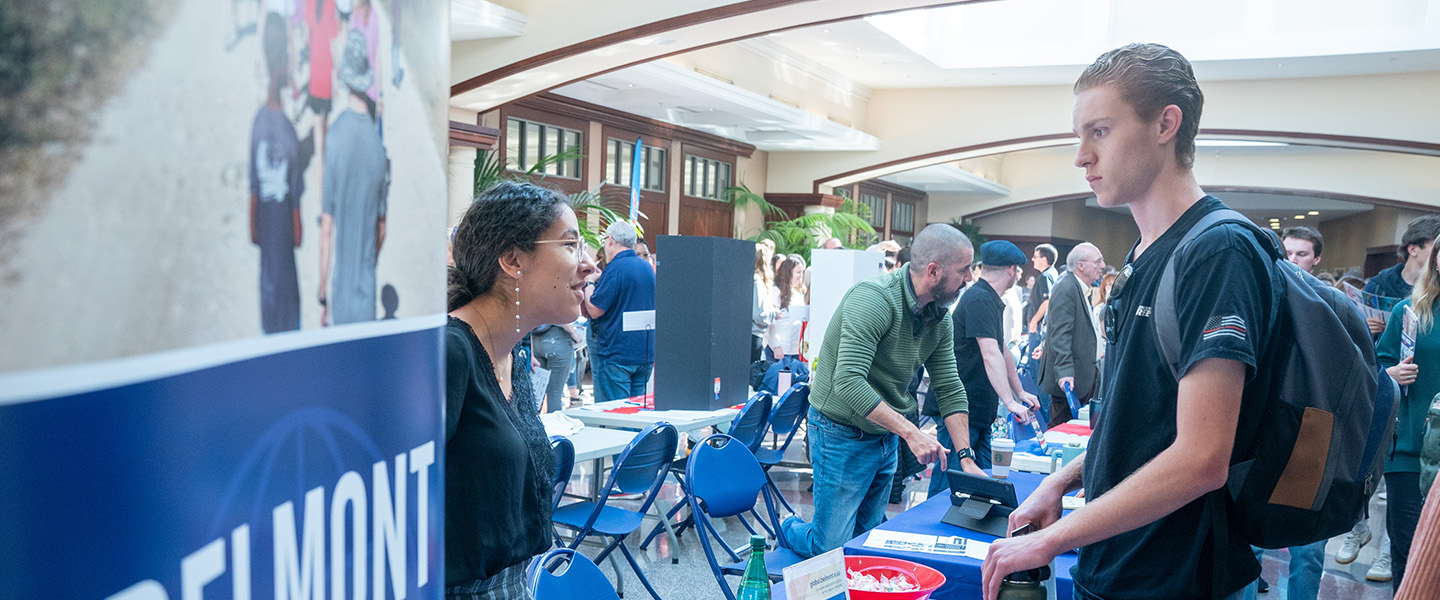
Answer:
(1405, 372)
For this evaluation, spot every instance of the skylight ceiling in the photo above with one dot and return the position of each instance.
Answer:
(1041, 33)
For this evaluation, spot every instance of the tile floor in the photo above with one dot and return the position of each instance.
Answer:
(691, 577)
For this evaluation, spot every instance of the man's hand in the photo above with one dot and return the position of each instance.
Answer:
(1026, 408)
(1030, 400)
(969, 466)
(1007, 556)
(1011, 555)
(1040, 510)
(926, 449)
(1064, 381)
(1405, 372)
(1377, 325)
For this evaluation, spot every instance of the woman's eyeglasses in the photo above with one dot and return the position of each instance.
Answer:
(1112, 304)
(575, 245)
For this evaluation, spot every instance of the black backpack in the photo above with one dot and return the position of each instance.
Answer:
(1317, 454)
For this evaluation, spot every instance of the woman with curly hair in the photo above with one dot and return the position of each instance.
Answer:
(519, 263)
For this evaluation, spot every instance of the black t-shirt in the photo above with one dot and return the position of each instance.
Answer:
(978, 314)
(497, 464)
(1226, 298)
(1038, 295)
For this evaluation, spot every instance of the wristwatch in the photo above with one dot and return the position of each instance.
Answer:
(963, 454)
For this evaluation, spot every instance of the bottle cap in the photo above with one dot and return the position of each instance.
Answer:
(1029, 575)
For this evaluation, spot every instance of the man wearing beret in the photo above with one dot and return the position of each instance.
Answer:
(986, 368)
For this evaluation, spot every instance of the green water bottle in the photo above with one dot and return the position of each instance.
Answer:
(755, 585)
(1025, 585)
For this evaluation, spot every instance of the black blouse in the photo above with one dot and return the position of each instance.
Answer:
(497, 464)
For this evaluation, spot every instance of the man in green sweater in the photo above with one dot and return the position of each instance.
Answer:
(883, 330)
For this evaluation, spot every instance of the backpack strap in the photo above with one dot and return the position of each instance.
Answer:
(1167, 319)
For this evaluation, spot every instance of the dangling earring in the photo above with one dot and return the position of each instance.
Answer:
(517, 302)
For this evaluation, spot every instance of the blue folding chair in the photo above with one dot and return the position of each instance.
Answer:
(640, 469)
(725, 480)
(564, 452)
(785, 420)
(580, 579)
(748, 426)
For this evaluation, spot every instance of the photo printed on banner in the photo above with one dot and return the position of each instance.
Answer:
(176, 173)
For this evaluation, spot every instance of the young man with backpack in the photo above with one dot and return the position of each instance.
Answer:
(1188, 370)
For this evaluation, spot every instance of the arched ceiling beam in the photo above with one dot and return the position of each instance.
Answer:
(1348, 142)
(650, 41)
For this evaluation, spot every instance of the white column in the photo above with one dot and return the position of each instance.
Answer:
(462, 182)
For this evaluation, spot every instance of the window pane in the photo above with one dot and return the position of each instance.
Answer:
(627, 162)
(572, 141)
(876, 204)
(697, 176)
(550, 146)
(512, 144)
(690, 176)
(707, 189)
(610, 148)
(725, 180)
(530, 145)
(655, 175)
(903, 217)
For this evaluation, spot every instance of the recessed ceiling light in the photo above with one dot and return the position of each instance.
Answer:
(630, 85)
(859, 48)
(825, 31)
(1299, 217)
(1274, 225)
(1314, 212)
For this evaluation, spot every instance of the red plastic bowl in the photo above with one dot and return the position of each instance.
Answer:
(929, 579)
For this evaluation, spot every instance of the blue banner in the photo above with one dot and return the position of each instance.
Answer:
(313, 472)
(636, 179)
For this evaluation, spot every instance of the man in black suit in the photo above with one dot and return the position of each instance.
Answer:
(1070, 341)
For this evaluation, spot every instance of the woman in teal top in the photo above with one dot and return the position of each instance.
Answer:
(1420, 377)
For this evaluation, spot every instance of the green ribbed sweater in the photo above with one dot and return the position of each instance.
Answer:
(870, 353)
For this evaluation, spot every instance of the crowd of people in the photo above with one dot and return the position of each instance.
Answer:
(345, 129)
(922, 339)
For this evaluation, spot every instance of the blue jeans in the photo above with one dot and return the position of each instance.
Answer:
(555, 353)
(853, 472)
(979, 444)
(1306, 567)
(618, 382)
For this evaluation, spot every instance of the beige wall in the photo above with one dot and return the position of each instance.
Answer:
(919, 121)
(1348, 239)
(1027, 221)
(1110, 231)
(752, 173)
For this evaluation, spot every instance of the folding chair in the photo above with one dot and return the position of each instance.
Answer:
(639, 469)
(725, 480)
(580, 579)
(789, 412)
(564, 451)
(748, 426)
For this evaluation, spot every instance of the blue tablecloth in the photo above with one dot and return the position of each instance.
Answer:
(962, 574)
